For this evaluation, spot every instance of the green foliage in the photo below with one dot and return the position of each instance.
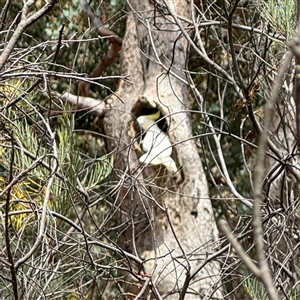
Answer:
(281, 14)
(76, 165)
(38, 131)
(73, 164)
(255, 289)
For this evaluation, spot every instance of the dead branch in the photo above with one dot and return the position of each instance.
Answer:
(96, 106)
(116, 45)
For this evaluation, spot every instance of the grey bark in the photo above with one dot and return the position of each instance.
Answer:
(168, 219)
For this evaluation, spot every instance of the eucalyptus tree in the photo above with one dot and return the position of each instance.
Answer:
(88, 211)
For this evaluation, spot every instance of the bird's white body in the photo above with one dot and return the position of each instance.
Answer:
(156, 144)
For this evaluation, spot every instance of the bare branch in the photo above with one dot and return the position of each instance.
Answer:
(116, 45)
(239, 249)
(95, 106)
(258, 179)
(24, 23)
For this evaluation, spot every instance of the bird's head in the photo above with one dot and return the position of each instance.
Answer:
(148, 120)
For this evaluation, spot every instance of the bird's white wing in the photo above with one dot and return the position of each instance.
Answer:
(156, 144)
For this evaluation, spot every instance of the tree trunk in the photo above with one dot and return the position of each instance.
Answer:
(167, 218)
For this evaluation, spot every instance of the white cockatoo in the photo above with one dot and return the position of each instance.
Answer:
(156, 144)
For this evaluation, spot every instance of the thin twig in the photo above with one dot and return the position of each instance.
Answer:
(24, 23)
(258, 179)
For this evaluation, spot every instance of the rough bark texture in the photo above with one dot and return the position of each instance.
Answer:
(167, 218)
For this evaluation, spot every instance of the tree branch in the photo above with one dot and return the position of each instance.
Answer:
(25, 22)
(96, 106)
(116, 45)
